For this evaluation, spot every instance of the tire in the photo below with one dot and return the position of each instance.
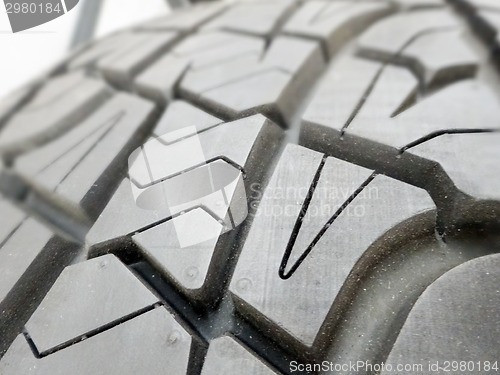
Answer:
(334, 207)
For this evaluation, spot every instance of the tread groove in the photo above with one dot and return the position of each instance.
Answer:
(443, 132)
(208, 321)
(318, 236)
(94, 332)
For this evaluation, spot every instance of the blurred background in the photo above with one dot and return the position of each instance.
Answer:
(27, 54)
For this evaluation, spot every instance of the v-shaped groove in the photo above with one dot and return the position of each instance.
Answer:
(298, 224)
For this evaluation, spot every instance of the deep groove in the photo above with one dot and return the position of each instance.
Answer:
(72, 225)
(444, 132)
(318, 236)
(79, 233)
(375, 281)
(218, 321)
(194, 321)
(212, 324)
(197, 354)
(201, 322)
(62, 216)
(404, 167)
(31, 344)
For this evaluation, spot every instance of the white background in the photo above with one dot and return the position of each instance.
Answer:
(29, 53)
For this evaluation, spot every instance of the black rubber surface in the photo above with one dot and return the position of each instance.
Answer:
(358, 219)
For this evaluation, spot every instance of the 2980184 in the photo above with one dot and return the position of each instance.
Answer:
(33, 8)
(469, 366)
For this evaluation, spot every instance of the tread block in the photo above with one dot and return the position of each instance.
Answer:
(233, 140)
(201, 50)
(456, 317)
(259, 18)
(245, 143)
(239, 141)
(86, 159)
(390, 35)
(147, 344)
(269, 85)
(85, 297)
(227, 356)
(57, 107)
(463, 107)
(188, 265)
(471, 160)
(188, 19)
(271, 302)
(333, 23)
(122, 205)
